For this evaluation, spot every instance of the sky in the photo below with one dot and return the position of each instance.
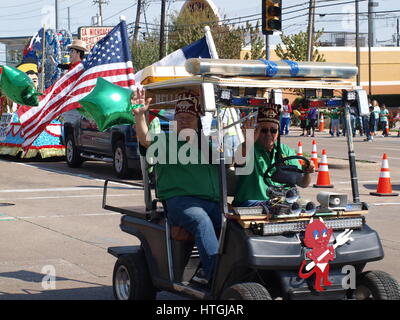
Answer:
(25, 17)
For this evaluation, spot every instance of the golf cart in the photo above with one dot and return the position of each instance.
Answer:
(260, 250)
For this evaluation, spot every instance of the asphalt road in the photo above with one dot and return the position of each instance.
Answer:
(52, 222)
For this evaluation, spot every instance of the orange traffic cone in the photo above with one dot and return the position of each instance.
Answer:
(323, 180)
(300, 152)
(314, 155)
(321, 123)
(384, 184)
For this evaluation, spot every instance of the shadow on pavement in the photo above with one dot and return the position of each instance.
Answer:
(89, 293)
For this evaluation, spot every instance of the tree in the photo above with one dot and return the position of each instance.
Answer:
(294, 47)
(188, 26)
(146, 51)
(257, 44)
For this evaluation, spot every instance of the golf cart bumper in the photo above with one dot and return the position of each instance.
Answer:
(288, 252)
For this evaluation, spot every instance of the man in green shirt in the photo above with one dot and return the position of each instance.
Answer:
(251, 189)
(190, 189)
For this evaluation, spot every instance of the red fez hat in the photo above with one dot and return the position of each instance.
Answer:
(188, 102)
(270, 113)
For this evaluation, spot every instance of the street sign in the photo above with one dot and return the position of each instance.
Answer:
(91, 35)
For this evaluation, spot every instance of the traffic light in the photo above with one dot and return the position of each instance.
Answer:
(271, 16)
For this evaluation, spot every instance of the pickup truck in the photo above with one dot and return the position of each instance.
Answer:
(83, 141)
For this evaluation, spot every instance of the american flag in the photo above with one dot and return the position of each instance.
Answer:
(109, 59)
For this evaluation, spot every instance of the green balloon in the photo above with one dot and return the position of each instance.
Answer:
(108, 104)
(18, 87)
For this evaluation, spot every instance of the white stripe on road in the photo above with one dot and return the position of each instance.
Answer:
(72, 215)
(62, 197)
(62, 189)
(386, 204)
(367, 181)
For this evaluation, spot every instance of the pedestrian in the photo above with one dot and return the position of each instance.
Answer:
(383, 118)
(303, 118)
(285, 117)
(312, 120)
(231, 138)
(377, 111)
(335, 114)
(397, 121)
(372, 123)
(77, 50)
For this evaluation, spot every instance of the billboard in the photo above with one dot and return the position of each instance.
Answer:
(91, 35)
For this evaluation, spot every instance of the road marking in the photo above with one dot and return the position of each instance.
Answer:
(77, 196)
(386, 204)
(63, 189)
(72, 215)
(367, 181)
(3, 217)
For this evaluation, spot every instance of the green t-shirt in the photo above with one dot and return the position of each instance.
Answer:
(197, 178)
(252, 186)
(383, 115)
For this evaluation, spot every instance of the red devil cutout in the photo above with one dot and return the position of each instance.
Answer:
(317, 238)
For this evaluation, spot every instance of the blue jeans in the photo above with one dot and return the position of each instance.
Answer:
(285, 122)
(202, 218)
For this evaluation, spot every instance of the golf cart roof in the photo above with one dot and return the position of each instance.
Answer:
(256, 82)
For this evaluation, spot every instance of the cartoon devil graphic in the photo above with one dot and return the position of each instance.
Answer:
(317, 238)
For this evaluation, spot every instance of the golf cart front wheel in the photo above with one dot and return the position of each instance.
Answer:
(377, 285)
(131, 279)
(246, 291)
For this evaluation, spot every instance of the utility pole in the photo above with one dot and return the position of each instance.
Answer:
(69, 19)
(311, 19)
(358, 44)
(267, 51)
(162, 29)
(100, 3)
(56, 12)
(398, 33)
(137, 21)
(371, 41)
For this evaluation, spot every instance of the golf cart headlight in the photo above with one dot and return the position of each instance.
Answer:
(298, 226)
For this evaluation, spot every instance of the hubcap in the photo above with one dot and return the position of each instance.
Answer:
(122, 283)
(118, 160)
(70, 150)
(363, 293)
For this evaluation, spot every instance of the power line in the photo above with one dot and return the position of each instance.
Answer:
(21, 5)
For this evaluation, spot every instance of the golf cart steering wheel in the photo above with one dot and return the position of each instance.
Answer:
(285, 174)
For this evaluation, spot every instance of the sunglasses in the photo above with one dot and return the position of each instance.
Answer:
(271, 130)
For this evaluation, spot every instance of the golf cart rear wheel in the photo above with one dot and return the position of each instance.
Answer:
(377, 285)
(131, 279)
(246, 291)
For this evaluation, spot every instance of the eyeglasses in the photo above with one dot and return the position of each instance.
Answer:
(271, 130)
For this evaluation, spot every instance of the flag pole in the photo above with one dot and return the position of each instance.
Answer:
(43, 54)
(210, 42)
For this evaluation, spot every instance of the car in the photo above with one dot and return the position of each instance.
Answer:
(84, 141)
(117, 145)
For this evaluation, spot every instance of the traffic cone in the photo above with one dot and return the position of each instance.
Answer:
(300, 152)
(314, 155)
(384, 185)
(321, 123)
(323, 180)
